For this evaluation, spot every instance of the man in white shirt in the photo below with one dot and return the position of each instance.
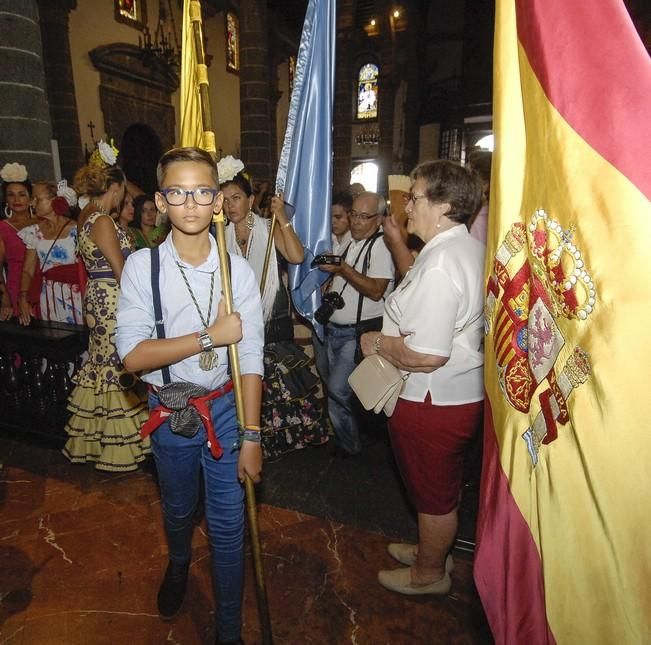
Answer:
(363, 280)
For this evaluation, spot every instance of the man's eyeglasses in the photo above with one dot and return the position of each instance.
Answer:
(413, 198)
(178, 196)
(362, 216)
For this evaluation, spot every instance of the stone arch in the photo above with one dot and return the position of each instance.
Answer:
(136, 92)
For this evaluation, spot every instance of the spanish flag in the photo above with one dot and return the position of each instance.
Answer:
(563, 551)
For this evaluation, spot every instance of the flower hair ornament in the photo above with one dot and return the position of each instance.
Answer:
(68, 193)
(61, 206)
(13, 173)
(104, 155)
(228, 167)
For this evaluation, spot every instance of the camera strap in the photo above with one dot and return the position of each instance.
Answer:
(365, 265)
(369, 240)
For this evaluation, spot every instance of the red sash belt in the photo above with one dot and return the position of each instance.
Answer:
(160, 413)
(63, 273)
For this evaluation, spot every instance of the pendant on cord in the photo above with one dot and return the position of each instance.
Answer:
(208, 360)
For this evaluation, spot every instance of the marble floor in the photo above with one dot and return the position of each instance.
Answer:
(82, 554)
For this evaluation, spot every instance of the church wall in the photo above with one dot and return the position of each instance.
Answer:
(93, 24)
(224, 89)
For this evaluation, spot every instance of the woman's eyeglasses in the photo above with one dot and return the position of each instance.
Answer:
(178, 196)
(413, 198)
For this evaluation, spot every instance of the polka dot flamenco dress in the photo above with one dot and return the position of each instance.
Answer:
(108, 404)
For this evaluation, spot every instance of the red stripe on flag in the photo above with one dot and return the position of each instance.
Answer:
(595, 71)
(508, 571)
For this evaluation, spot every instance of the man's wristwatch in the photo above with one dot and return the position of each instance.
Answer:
(205, 340)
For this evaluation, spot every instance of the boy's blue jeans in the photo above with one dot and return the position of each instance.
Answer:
(180, 462)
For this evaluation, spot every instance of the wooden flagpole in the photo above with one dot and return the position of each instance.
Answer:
(209, 145)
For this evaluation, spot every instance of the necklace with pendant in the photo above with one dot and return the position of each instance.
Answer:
(243, 244)
(208, 358)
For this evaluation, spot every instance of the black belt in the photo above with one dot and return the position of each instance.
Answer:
(338, 326)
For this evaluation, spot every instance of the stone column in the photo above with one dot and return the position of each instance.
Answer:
(343, 107)
(25, 129)
(54, 21)
(255, 83)
(414, 48)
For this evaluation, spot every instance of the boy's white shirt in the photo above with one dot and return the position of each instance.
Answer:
(136, 321)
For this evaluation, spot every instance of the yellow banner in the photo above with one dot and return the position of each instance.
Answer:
(191, 129)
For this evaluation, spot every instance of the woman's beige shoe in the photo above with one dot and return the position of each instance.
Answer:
(399, 580)
(406, 554)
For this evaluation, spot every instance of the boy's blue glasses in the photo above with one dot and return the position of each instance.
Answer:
(178, 196)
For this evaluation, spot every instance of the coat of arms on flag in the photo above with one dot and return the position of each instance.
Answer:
(538, 275)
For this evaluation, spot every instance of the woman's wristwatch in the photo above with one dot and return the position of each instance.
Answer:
(376, 343)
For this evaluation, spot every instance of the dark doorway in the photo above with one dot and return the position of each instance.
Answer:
(141, 150)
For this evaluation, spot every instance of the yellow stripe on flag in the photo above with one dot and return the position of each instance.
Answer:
(583, 494)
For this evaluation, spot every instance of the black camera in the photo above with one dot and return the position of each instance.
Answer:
(330, 302)
(326, 258)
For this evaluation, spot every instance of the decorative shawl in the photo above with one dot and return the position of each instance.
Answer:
(255, 251)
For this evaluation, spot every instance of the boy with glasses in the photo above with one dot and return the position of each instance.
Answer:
(193, 425)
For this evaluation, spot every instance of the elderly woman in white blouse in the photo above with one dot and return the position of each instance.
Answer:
(433, 329)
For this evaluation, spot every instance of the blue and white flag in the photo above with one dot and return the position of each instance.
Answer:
(305, 166)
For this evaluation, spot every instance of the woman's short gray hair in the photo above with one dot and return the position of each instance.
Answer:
(447, 182)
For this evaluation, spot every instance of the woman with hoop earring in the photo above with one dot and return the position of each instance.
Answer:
(17, 197)
(292, 416)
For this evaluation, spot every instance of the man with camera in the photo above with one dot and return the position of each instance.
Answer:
(352, 305)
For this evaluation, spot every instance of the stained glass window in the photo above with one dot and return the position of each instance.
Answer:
(367, 92)
(232, 42)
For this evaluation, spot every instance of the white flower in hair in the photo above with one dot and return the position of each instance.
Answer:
(228, 167)
(107, 152)
(68, 193)
(13, 172)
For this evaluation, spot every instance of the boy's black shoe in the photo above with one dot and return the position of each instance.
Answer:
(172, 589)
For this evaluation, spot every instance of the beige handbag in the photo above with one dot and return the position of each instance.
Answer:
(377, 384)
